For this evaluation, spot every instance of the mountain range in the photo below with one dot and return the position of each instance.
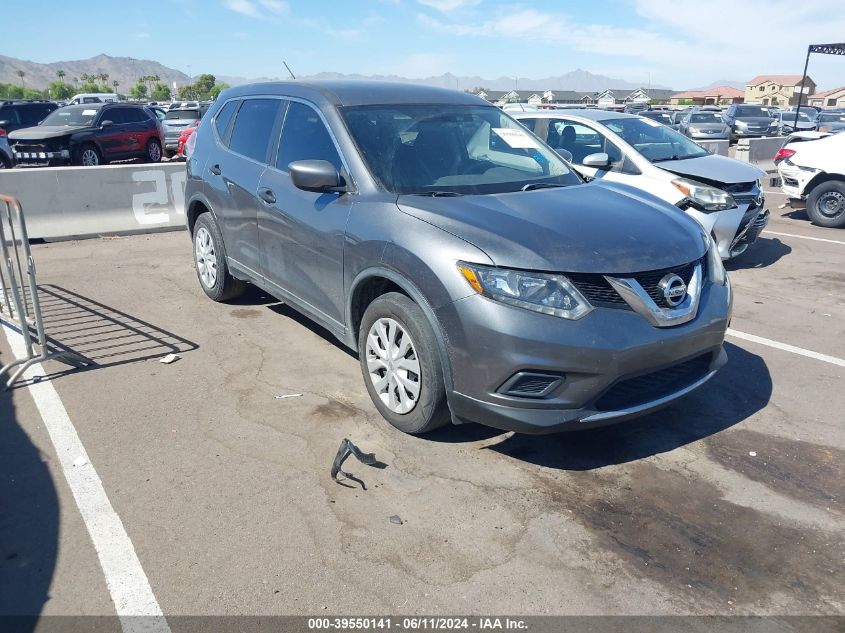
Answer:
(127, 70)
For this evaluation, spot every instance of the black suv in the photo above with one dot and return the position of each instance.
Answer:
(90, 134)
(15, 115)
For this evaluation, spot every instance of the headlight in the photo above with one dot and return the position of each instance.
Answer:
(715, 267)
(703, 196)
(545, 293)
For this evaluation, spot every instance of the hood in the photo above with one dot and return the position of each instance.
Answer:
(755, 120)
(714, 168)
(43, 132)
(593, 228)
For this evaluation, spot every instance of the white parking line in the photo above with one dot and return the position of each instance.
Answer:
(127, 583)
(805, 237)
(787, 348)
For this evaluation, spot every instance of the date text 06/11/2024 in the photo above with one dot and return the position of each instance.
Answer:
(416, 624)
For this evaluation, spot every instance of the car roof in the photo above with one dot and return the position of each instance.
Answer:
(593, 115)
(354, 93)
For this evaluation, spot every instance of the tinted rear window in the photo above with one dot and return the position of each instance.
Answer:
(35, 113)
(183, 114)
(253, 127)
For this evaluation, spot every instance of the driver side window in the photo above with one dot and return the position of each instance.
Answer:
(581, 141)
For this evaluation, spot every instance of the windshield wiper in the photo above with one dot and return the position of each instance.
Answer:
(660, 160)
(436, 194)
(531, 186)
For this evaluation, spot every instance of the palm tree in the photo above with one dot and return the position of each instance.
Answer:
(85, 78)
(61, 75)
(115, 83)
(104, 77)
(76, 81)
(21, 74)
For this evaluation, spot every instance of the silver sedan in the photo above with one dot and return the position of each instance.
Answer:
(705, 126)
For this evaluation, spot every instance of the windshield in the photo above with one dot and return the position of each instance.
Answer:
(752, 111)
(73, 116)
(457, 149)
(705, 117)
(182, 114)
(654, 141)
(658, 116)
(832, 118)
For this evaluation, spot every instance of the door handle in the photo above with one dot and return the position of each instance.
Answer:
(215, 169)
(267, 195)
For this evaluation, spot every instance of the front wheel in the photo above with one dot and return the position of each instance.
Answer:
(210, 259)
(826, 204)
(401, 366)
(153, 151)
(88, 156)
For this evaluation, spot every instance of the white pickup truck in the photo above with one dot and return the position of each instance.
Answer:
(812, 174)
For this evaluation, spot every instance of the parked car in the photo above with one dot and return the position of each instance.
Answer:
(705, 125)
(677, 117)
(7, 160)
(786, 122)
(183, 142)
(831, 121)
(723, 194)
(661, 116)
(813, 176)
(785, 151)
(93, 97)
(158, 111)
(750, 121)
(175, 122)
(17, 114)
(90, 135)
(474, 272)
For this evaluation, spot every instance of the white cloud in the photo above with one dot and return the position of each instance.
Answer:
(258, 8)
(422, 65)
(447, 6)
(677, 43)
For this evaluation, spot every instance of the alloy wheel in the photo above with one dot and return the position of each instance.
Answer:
(393, 366)
(154, 152)
(205, 257)
(90, 158)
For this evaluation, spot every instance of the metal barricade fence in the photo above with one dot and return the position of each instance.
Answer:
(20, 307)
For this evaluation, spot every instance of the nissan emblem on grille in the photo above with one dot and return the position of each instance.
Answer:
(674, 289)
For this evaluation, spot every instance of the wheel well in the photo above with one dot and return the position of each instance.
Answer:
(368, 291)
(819, 179)
(195, 210)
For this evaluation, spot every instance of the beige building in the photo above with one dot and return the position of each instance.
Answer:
(777, 90)
(834, 98)
(719, 95)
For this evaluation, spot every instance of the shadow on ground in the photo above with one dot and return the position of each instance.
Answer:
(761, 254)
(29, 521)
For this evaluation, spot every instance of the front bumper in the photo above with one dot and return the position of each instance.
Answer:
(490, 342)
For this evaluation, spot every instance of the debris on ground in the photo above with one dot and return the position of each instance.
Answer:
(752, 453)
(288, 395)
(396, 519)
(346, 449)
(170, 358)
(80, 461)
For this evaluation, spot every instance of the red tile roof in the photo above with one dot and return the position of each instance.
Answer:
(723, 92)
(827, 92)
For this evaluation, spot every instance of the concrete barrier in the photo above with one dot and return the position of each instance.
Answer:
(64, 202)
(759, 151)
(716, 147)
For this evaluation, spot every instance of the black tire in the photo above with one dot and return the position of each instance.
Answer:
(431, 410)
(826, 204)
(80, 153)
(224, 286)
(5, 163)
(169, 153)
(154, 151)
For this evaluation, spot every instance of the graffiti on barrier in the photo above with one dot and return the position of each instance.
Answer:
(163, 202)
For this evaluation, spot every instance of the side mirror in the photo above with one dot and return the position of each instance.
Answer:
(319, 176)
(106, 124)
(599, 160)
(565, 154)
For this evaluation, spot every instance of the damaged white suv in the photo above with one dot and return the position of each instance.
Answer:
(813, 176)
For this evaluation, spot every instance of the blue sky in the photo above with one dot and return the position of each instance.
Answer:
(679, 43)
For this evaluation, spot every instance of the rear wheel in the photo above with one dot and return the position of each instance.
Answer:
(210, 259)
(153, 151)
(401, 366)
(88, 156)
(826, 204)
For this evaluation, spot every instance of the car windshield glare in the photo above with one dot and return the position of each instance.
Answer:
(73, 116)
(412, 148)
(705, 117)
(654, 141)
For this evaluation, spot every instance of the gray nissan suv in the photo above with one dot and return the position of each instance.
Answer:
(477, 276)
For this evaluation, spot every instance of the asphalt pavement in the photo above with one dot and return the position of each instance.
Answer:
(731, 501)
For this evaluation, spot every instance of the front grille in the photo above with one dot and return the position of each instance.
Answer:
(655, 385)
(598, 291)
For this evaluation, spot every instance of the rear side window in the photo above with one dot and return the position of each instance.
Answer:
(305, 137)
(133, 115)
(115, 115)
(35, 113)
(10, 115)
(224, 117)
(253, 127)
